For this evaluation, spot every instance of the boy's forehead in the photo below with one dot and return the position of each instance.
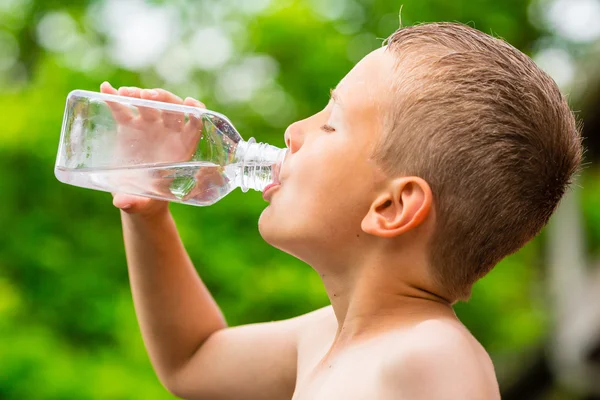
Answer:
(369, 80)
(367, 85)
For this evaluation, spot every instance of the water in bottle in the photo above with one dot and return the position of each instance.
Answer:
(161, 150)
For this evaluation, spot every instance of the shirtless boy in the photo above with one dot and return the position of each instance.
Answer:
(437, 156)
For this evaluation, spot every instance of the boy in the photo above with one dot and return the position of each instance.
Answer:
(438, 155)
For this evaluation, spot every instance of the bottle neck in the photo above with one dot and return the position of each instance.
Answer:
(257, 165)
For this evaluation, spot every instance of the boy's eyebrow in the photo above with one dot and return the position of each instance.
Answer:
(334, 96)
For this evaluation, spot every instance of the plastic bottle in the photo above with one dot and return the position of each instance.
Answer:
(161, 150)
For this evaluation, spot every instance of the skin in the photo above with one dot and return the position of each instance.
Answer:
(388, 334)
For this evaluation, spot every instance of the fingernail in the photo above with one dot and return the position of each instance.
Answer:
(153, 93)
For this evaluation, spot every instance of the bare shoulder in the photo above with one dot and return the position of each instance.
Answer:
(320, 315)
(440, 359)
(317, 322)
(315, 336)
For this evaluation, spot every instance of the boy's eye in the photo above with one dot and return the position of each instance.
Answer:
(328, 128)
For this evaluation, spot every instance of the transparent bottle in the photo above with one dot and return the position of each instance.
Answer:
(160, 150)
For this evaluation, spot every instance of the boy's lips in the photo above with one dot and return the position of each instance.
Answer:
(269, 189)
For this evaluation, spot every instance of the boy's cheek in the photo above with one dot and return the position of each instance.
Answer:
(316, 174)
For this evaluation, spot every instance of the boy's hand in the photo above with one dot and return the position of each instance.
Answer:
(168, 138)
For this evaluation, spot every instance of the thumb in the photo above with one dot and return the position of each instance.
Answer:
(130, 204)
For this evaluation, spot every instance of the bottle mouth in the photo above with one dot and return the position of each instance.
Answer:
(259, 165)
(278, 166)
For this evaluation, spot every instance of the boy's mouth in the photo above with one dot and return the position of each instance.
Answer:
(269, 189)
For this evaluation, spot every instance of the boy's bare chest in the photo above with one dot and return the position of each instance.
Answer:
(348, 382)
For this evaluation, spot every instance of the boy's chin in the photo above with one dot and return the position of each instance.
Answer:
(270, 230)
(275, 231)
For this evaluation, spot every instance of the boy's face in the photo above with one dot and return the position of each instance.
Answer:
(329, 180)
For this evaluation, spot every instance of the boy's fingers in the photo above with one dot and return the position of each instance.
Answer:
(165, 96)
(189, 101)
(129, 203)
(106, 87)
(193, 126)
(147, 113)
(122, 114)
(129, 91)
(192, 132)
(172, 120)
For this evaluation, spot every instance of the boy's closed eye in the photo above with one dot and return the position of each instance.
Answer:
(328, 128)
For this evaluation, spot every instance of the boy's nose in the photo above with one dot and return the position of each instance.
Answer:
(294, 137)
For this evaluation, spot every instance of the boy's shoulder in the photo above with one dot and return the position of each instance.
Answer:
(431, 359)
(439, 358)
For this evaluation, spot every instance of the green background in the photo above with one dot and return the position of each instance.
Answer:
(67, 325)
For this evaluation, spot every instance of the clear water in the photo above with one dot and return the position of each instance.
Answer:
(196, 183)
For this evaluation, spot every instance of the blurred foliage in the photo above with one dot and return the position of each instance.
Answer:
(67, 325)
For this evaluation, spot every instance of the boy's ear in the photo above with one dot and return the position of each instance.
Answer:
(403, 206)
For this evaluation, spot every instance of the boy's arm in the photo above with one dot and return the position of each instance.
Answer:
(193, 352)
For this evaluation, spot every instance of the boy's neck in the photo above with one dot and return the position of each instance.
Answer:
(374, 299)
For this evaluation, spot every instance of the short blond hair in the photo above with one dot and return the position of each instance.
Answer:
(492, 135)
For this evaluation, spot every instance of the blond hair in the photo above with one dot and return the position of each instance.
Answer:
(491, 134)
